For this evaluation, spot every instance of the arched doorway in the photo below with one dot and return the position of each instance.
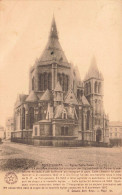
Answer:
(98, 135)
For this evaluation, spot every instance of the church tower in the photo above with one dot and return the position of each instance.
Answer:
(51, 67)
(93, 89)
(60, 108)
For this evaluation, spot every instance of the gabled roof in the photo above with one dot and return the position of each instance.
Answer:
(93, 71)
(32, 97)
(58, 87)
(84, 101)
(70, 98)
(69, 110)
(53, 50)
(47, 96)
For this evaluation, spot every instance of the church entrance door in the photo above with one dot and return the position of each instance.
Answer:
(98, 135)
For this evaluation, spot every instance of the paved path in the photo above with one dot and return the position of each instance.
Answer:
(91, 156)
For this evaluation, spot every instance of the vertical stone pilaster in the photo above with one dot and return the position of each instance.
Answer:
(54, 130)
(54, 76)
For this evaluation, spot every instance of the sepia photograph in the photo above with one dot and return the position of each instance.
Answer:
(60, 97)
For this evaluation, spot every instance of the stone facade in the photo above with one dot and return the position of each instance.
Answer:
(60, 105)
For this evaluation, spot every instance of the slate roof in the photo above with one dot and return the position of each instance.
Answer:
(47, 96)
(53, 50)
(58, 87)
(93, 71)
(32, 97)
(84, 101)
(70, 98)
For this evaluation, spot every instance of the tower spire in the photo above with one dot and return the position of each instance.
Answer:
(53, 30)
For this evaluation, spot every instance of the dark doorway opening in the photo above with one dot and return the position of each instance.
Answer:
(98, 135)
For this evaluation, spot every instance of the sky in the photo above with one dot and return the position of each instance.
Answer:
(86, 28)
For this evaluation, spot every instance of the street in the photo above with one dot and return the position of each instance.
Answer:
(14, 156)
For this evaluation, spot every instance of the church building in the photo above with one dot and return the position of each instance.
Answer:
(60, 109)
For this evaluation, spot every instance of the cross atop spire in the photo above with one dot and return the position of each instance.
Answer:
(53, 30)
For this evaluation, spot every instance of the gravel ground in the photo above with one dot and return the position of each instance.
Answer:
(14, 156)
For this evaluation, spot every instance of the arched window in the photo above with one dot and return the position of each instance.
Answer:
(40, 113)
(59, 78)
(33, 83)
(99, 88)
(95, 87)
(64, 114)
(41, 82)
(45, 81)
(49, 81)
(23, 118)
(67, 82)
(31, 117)
(86, 88)
(63, 82)
(89, 87)
(88, 120)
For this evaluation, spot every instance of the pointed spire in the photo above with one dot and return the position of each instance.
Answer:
(53, 50)
(47, 96)
(94, 66)
(53, 30)
(70, 98)
(93, 71)
(32, 97)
